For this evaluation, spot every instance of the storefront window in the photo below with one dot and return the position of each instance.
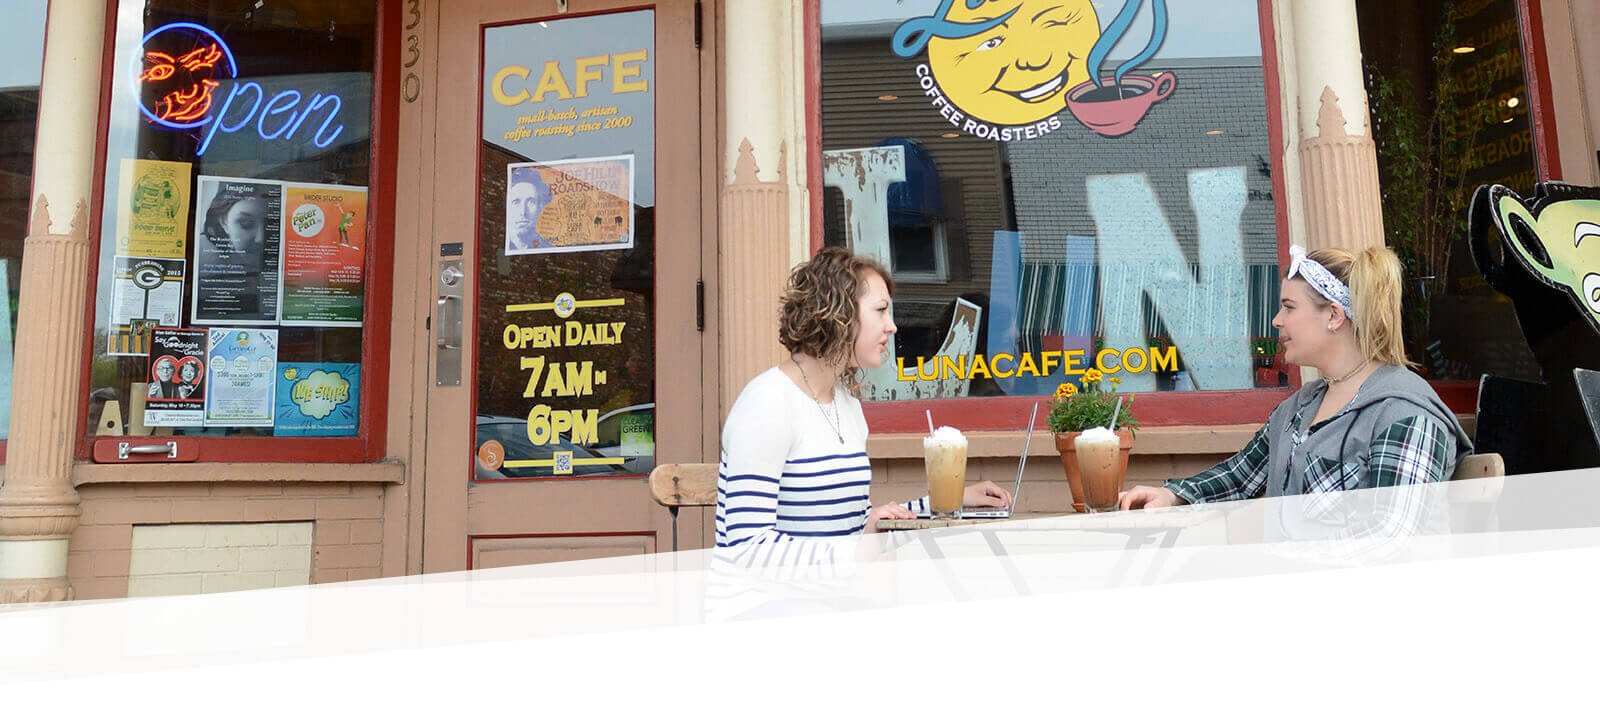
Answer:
(1450, 112)
(1057, 184)
(236, 243)
(21, 66)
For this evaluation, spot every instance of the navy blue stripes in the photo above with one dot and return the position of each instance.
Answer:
(824, 473)
(826, 487)
(823, 458)
(756, 477)
(822, 502)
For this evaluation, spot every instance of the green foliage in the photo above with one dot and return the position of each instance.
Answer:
(1073, 411)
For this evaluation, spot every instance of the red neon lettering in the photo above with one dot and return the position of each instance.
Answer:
(187, 105)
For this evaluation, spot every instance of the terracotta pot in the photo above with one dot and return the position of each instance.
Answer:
(1069, 462)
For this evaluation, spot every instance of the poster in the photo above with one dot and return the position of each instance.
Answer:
(237, 251)
(318, 399)
(242, 367)
(324, 249)
(571, 205)
(153, 209)
(146, 292)
(176, 393)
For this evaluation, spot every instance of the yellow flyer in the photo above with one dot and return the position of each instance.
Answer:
(153, 209)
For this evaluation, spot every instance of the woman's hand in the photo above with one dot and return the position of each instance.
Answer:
(891, 511)
(1148, 497)
(985, 494)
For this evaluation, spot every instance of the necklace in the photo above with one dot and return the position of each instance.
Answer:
(837, 426)
(1347, 375)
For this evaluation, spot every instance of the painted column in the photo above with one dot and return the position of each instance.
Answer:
(763, 229)
(38, 504)
(1338, 161)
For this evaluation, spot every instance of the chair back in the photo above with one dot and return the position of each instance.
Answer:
(1480, 466)
(1489, 467)
(674, 485)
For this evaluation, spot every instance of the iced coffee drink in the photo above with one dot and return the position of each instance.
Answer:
(946, 455)
(1100, 467)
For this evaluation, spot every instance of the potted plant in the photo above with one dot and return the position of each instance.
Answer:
(1074, 410)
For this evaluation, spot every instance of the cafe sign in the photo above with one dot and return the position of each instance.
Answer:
(1004, 70)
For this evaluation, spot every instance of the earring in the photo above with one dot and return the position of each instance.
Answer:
(1330, 328)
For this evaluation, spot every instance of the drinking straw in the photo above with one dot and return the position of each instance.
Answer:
(1115, 412)
(930, 420)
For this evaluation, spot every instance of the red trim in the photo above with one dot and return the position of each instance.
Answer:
(813, 76)
(108, 54)
(369, 443)
(1460, 396)
(1275, 142)
(1159, 408)
(1541, 104)
(655, 539)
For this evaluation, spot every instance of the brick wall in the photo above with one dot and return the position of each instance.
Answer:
(346, 526)
(204, 558)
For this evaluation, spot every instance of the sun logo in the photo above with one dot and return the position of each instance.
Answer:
(1008, 62)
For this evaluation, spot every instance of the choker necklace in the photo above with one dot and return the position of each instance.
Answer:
(1348, 374)
(837, 426)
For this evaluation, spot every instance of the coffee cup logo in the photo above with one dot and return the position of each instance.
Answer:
(1004, 70)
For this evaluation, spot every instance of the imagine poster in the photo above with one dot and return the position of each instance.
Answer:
(237, 250)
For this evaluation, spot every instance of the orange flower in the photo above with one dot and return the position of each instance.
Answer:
(1065, 390)
(1093, 375)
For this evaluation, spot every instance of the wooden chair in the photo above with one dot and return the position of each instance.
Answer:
(678, 485)
(1485, 466)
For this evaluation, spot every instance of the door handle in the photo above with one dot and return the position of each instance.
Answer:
(124, 449)
(448, 322)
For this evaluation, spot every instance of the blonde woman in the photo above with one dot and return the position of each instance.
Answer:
(794, 447)
(1367, 422)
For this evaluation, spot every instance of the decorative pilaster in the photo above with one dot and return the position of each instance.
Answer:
(1338, 160)
(763, 222)
(754, 264)
(1339, 177)
(38, 504)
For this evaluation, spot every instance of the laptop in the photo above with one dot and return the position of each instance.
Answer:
(1016, 486)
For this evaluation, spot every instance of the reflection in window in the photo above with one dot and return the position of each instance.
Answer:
(21, 67)
(1033, 213)
(1449, 113)
(233, 261)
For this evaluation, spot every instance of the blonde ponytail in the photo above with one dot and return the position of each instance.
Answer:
(1374, 278)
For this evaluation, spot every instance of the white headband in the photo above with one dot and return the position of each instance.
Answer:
(1320, 279)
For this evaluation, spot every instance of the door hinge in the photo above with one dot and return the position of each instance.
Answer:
(700, 305)
(697, 24)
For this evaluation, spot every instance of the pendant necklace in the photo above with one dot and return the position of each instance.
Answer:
(1348, 374)
(835, 424)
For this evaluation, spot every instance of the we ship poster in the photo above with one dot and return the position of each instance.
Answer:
(242, 368)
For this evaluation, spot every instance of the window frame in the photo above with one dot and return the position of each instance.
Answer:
(941, 258)
(1157, 408)
(369, 443)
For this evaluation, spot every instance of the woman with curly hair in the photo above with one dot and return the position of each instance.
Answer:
(794, 460)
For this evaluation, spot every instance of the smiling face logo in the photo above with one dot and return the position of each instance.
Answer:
(1556, 240)
(1018, 71)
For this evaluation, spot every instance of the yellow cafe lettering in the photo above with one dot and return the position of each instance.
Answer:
(1004, 366)
(511, 84)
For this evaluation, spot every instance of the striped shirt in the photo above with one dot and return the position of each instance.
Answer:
(792, 470)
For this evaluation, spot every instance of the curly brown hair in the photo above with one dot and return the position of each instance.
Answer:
(819, 315)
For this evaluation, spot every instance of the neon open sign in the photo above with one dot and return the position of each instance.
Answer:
(178, 89)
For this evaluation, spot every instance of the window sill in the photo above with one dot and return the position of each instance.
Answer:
(377, 472)
(1165, 440)
(1190, 440)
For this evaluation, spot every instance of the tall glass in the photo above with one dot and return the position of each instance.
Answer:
(945, 454)
(1100, 468)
